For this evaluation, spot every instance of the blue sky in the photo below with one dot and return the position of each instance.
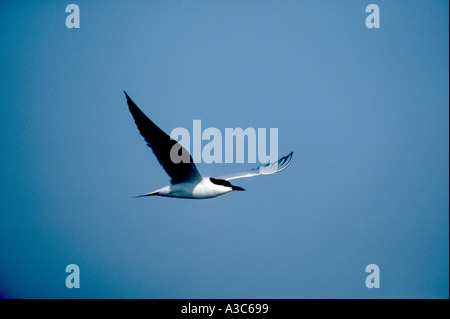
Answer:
(364, 110)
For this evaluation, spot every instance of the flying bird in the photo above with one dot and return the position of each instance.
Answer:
(186, 180)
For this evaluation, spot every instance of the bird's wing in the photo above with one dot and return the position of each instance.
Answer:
(270, 168)
(162, 144)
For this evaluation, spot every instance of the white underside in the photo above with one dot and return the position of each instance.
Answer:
(199, 190)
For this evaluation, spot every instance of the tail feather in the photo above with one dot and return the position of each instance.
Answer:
(148, 194)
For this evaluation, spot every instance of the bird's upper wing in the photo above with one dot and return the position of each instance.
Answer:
(162, 144)
(270, 168)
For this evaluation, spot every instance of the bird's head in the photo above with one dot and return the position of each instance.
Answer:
(226, 184)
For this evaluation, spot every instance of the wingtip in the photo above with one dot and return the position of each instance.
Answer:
(284, 162)
(129, 101)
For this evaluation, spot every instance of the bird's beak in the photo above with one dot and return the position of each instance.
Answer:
(237, 188)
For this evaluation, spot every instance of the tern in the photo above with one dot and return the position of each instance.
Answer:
(186, 180)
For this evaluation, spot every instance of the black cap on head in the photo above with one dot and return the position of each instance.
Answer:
(225, 183)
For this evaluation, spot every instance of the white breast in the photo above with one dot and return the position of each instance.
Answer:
(203, 189)
(207, 189)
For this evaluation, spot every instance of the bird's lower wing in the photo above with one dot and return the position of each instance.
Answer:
(268, 169)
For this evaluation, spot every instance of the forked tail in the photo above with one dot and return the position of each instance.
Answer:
(148, 194)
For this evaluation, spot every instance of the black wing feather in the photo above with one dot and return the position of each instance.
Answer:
(161, 144)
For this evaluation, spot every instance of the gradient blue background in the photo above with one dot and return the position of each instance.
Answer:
(364, 110)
